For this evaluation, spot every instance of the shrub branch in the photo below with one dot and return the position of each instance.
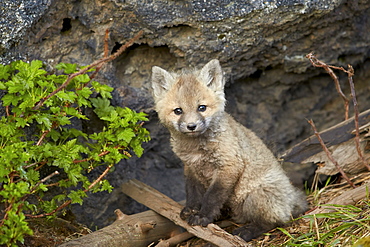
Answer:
(101, 61)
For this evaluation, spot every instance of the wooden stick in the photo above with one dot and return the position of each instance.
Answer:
(127, 231)
(329, 154)
(355, 106)
(175, 239)
(170, 209)
(340, 133)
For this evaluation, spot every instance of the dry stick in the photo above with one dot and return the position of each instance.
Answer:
(106, 51)
(355, 105)
(99, 178)
(94, 64)
(317, 134)
(317, 63)
(42, 137)
(43, 180)
(175, 240)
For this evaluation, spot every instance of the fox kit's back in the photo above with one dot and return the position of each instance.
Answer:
(226, 166)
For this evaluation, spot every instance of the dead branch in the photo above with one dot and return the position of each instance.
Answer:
(127, 231)
(175, 240)
(171, 210)
(357, 128)
(329, 154)
(106, 46)
(328, 68)
(333, 136)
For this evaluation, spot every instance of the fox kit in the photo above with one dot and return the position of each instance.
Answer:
(227, 167)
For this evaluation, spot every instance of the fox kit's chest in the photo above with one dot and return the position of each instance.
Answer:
(200, 161)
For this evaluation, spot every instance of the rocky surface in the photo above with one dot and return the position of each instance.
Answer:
(262, 45)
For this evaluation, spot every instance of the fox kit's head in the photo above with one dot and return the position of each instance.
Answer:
(189, 103)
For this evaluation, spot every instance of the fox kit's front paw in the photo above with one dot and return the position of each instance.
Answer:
(188, 211)
(199, 220)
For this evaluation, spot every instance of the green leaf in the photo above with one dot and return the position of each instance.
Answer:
(66, 96)
(76, 196)
(67, 67)
(21, 122)
(104, 90)
(4, 73)
(102, 107)
(32, 175)
(43, 119)
(126, 135)
(15, 85)
(9, 99)
(82, 78)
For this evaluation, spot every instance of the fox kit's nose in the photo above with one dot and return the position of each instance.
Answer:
(192, 126)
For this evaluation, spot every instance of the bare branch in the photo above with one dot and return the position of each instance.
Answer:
(99, 178)
(329, 154)
(328, 68)
(355, 105)
(84, 70)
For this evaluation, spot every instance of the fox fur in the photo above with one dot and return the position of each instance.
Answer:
(227, 168)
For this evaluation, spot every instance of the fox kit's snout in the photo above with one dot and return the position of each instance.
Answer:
(227, 167)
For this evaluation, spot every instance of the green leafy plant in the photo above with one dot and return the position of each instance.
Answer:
(41, 149)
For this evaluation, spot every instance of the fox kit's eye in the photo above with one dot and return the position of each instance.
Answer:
(202, 108)
(178, 111)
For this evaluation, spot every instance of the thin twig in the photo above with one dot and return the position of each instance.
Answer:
(99, 178)
(106, 44)
(328, 68)
(106, 51)
(66, 203)
(43, 180)
(83, 71)
(317, 134)
(355, 106)
(87, 159)
(42, 137)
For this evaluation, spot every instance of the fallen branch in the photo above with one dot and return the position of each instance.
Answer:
(171, 210)
(174, 240)
(139, 230)
(332, 136)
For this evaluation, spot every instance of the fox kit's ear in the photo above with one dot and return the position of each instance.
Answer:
(212, 75)
(161, 81)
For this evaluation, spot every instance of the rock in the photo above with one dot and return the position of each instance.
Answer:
(272, 88)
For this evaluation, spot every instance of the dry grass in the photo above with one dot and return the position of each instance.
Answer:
(342, 227)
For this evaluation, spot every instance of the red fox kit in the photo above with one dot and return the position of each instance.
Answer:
(227, 167)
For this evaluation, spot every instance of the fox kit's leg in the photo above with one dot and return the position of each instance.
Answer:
(194, 195)
(211, 203)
